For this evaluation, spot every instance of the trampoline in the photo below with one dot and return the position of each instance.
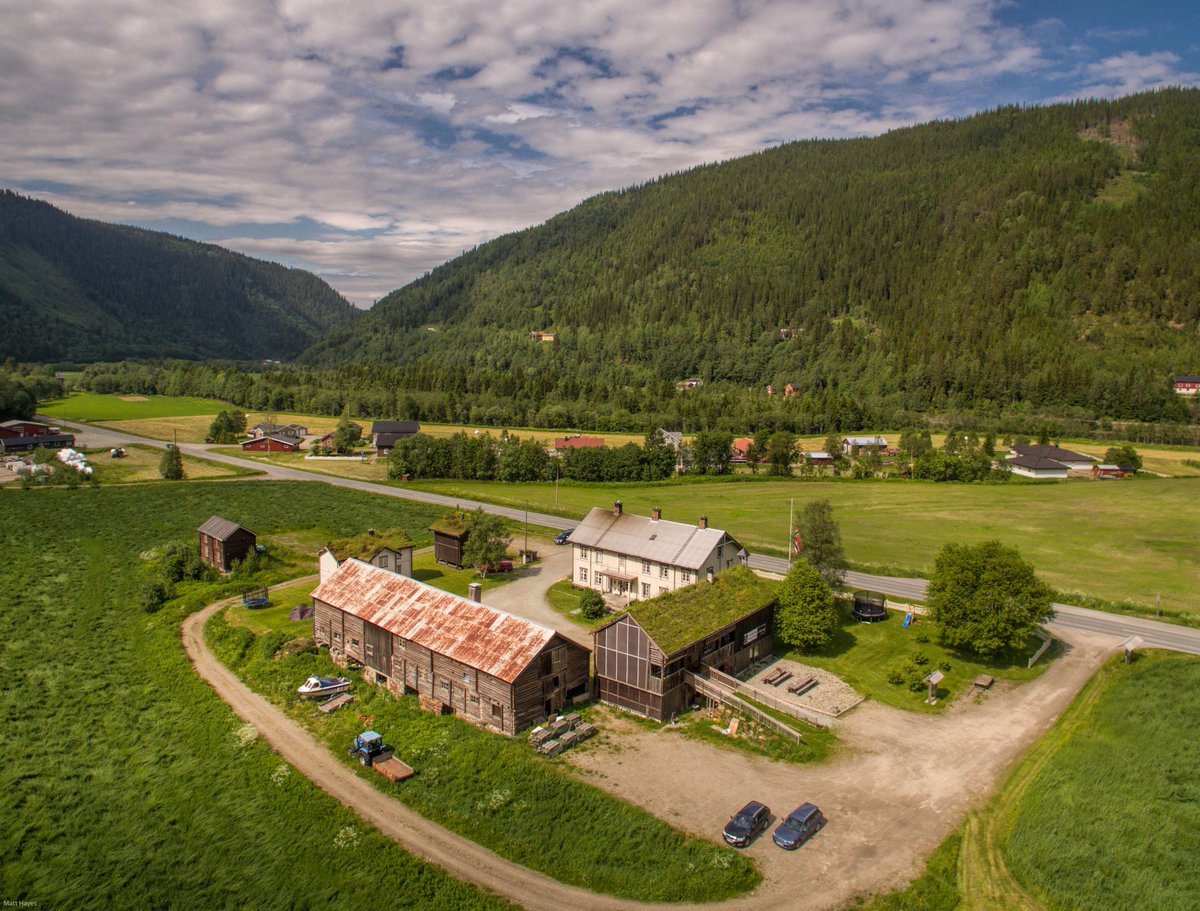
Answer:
(868, 607)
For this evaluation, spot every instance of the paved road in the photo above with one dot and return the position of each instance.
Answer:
(1154, 633)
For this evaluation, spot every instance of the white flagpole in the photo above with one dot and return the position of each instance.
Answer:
(791, 530)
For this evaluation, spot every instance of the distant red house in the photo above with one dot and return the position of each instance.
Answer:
(272, 444)
(10, 429)
(741, 451)
(1187, 385)
(791, 389)
(578, 442)
(1103, 472)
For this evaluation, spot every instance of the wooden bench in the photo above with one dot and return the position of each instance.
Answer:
(773, 678)
(787, 675)
(800, 684)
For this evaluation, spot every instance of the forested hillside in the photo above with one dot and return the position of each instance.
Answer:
(73, 290)
(1022, 261)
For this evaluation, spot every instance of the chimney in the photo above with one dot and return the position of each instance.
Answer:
(704, 521)
(476, 592)
(655, 514)
(617, 510)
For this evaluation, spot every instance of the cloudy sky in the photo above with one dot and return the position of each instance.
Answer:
(370, 141)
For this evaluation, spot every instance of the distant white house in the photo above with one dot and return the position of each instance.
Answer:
(853, 445)
(640, 557)
(1041, 454)
(1037, 467)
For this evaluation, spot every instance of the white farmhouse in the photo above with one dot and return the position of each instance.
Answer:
(643, 556)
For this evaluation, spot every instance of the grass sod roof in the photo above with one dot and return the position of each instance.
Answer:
(366, 545)
(455, 524)
(677, 619)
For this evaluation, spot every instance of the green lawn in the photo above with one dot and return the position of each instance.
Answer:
(865, 654)
(1115, 541)
(141, 464)
(496, 790)
(274, 618)
(88, 406)
(564, 597)
(426, 569)
(125, 782)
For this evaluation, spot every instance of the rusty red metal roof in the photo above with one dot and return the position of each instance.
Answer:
(476, 635)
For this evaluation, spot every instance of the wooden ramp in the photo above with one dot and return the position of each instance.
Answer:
(336, 702)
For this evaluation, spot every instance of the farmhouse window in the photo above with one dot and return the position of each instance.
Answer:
(664, 572)
(621, 563)
(645, 566)
(599, 556)
(497, 711)
(645, 589)
(353, 642)
(685, 576)
(583, 552)
(662, 589)
(583, 574)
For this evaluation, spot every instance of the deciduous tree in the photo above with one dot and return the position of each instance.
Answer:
(487, 541)
(805, 616)
(985, 598)
(822, 540)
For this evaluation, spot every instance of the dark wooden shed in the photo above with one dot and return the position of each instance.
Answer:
(222, 542)
(489, 667)
(643, 656)
(450, 535)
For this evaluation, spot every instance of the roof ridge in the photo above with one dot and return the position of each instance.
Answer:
(683, 546)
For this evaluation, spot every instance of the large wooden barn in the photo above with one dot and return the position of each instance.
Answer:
(643, 656)
(222, 542)
(489, 667)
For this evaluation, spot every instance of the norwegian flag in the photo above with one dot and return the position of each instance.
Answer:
(797, 542)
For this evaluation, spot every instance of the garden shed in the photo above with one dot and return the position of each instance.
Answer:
(450, 535)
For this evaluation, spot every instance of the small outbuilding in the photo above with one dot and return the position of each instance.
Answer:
(223, 542)
(450, 535)
(390, 549)
(386, 434)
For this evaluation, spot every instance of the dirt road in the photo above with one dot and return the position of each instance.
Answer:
(902, 783)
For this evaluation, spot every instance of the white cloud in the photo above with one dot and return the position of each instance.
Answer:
(407, 132)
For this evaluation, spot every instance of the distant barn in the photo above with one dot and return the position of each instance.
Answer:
(450, 535)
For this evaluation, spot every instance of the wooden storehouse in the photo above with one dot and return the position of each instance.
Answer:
(450, 535)
(489, 667)
(644, 656)
(390, 549)
(223, 542)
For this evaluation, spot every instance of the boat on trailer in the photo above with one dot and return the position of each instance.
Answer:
(320, 687)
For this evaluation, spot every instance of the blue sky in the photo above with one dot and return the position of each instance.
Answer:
(371, 141)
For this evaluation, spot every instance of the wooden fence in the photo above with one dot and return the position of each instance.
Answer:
(718, 692)
(816, 719)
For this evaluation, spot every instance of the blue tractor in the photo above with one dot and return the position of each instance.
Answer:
(370, 748)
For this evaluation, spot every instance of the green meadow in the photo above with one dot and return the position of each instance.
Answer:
(89, 406)
(1117, 541)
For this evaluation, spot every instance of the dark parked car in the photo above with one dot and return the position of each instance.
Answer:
(561, 537)
(751, 819)
(802, 824)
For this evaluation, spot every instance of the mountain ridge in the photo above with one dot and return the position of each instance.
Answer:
(78, 290)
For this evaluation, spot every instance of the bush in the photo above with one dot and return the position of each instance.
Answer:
(591, 605)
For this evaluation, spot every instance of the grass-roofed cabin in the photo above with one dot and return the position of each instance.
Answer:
(643, 655)
(450, 534)
(390, 549)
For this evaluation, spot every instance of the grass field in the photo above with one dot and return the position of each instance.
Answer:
(864, 654)
(141, 464)
(496, 790)
(274, 618)
(1116, 541)
(124, 781)
(1111, 817)
(88, 407)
